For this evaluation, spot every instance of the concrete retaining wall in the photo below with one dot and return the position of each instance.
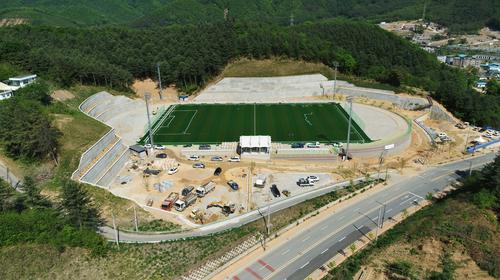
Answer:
(114, 170)
(93, 152)
(99, 168)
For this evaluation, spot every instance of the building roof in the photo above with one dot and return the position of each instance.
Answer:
(23, 77)
(257, 141)
(4, 87)
(137, 148)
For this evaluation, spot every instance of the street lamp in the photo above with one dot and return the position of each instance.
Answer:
(349, 99)
(159, 80)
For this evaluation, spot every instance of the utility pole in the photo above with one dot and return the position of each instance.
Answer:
(378, 223)
(470, 167)
(423, 13)
(349, 99)
(383, 213)
(380, 161)
(159, 80)
(116, 230)
(335, 65)
(147, 97)
(136, 223)
(467, 139)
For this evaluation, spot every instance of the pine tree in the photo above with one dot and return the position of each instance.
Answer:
(77, 207)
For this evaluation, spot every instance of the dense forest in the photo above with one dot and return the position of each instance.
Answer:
(459, 15)
(191, 55)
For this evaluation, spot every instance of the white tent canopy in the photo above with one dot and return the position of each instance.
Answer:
(255, 144)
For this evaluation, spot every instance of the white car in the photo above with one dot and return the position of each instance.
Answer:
(313, 145)
(234, 159)
(442, 135)
(216, 158)
(312, 179)
(173, 170)
(194, 158)
(159, 147)
(198, 165)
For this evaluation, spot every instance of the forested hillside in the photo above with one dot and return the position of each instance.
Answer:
(459, 15)
(191, 55)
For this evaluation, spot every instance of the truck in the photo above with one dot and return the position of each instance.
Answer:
(187, 190)
(260, 182)
(181, 204)
(169, 201)
(202, 190)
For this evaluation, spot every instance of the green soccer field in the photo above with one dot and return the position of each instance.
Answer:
(216, 123)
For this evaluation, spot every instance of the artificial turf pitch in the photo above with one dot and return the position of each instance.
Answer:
(216, 123)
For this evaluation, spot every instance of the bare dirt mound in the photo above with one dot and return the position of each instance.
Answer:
(170, 94)
(62, 95)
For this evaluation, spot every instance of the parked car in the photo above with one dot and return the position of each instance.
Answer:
(187, 145)
(217, 171)
(337, 145)
(204, 147)
(312, 179)
(148, 146)
(152, 171)
(235, 159)
(303, 182)
(187, 190)
(297, 145)
(313, 145)
(159, 147)
(194, 158)
(173, 170)
(216, 158)
(275, 191)
(162, 155)
(198, 165)
(233, 185)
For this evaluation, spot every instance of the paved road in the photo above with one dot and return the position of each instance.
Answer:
(310, 249)
(238, 221)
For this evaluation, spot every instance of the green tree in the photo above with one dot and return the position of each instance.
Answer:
(32, 194)
(77, 206)
(38, 91)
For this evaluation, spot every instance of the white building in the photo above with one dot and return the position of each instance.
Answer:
(5, 91)
(255, 145)
(21, 81)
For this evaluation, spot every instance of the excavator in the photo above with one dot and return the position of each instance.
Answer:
(226, 208)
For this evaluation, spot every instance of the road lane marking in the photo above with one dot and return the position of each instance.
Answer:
(304, 265)
(266, 265)
(388, 210)
(330, 235)
(355, 210)
(285, 252)
(303, 240)
(340, 240)
(324, 227)
(249, 270)
(341, 218)
(416, 195)
(324, 251)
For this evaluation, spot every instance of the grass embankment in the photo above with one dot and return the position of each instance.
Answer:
(439, 241)
(147, 261)
(287, 67)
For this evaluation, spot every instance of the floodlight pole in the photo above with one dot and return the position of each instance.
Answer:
(335, 64)
(159, 80)
(349, 99)
(147, 97)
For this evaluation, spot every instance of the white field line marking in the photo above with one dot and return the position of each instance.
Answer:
(305, 239)
(341, 239)
(306, 119)
(254, 120)
(304, 265)
(160, 122)
(168, 124)
(285, 252)
(190, 121)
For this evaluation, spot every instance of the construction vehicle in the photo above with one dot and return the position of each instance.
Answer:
(187, 190)
(202, 190)
(226, 208)
(181, 204)
(169, 201)
(286, 193)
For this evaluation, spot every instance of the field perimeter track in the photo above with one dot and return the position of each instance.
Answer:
(216, 123)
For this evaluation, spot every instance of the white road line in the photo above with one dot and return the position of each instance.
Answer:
(416, 195)
(341, 239)
(285, 252)
(357, 209)
(324, 227)
(341, 218)
(388, 210)
(324, 251)
(304, 265)
(303, 240)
